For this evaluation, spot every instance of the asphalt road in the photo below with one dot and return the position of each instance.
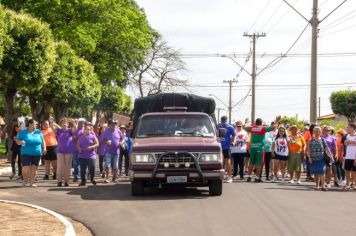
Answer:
(243, 209)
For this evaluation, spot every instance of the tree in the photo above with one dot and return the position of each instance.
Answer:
(285, 120)
(344, 103)
(27, 62)
(326, 122)
(113, 35)
(161, 70)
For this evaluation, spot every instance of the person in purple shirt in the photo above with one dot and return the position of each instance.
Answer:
(64, 152)
(101, 150)
(330, 141)
(75, 163)
(86, 146)
(113, 138)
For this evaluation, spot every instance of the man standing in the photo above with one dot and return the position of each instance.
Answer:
(350, 156)
(258, 132)
(226, 142)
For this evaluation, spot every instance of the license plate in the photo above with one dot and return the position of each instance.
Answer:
(176, 179)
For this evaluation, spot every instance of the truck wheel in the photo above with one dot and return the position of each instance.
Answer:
(215, 187)
(137, 188)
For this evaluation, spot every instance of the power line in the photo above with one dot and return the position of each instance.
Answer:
(273, 14)
(336, 22)
(259, 15)
(280, 19)
(332, 11)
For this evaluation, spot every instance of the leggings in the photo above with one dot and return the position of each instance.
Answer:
(268, 156)
(339, 170)
(101, 163)
(16, 154)
(124, 153)
(238, 163)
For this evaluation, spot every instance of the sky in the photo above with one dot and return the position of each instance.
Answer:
(216, 27)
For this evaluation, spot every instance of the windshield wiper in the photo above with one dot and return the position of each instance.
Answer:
(152, 134)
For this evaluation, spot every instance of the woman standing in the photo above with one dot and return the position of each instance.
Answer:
(238, 152)
(330, 140)
(64, 152)
(16, 153)
(86, 145)
(280, 152)
(316, 151)
(101, 149)
(50, 157)
(296, 154)
(268, 154)
(33, 146)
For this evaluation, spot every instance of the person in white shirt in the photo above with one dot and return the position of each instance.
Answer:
(239, 150)
(350, 157)
(280, 152)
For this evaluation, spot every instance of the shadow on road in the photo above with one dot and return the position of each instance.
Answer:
(122, 192)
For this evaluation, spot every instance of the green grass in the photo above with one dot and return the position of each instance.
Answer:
(2, 147)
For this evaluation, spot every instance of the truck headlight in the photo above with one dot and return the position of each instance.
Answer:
(143, 158)
(209, 157)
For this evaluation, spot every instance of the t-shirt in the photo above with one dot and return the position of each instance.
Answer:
(115, 137)
(281, 146)
(84, 142)
(316, 149)
(296, 143)
(49, 137)
(241, 141)
(269, 136)
(331, 143)
(76, 135)
(307, 136)
(257, 136)
(33, 142)
(102, 146)
(230, 132)
(64, 141)
(350, 148)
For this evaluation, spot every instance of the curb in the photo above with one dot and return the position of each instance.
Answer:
(5, 170)
(69, 227)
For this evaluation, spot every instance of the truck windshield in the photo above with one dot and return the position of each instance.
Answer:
(177, 125)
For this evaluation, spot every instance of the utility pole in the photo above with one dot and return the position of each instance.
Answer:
(219, 109)
(230, 82)
(254, 36)
(314, 64)
(319, 105)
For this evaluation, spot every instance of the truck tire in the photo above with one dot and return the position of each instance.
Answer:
(215, 187)
(137, 188)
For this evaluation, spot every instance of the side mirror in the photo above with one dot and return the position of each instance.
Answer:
(222, 133)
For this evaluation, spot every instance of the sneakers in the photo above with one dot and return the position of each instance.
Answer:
(336, 184)
(248, 179)
(258, 180)
(228, 180)
(59, 184)
(103, 175)
(107, 181)
(82, 183)
(299, 182)
(235, 178)
(33, 185)
(328, 185)
(24, 183)
(12, 176)
(66, 184)
(75, 179)
(291, 181)
(54, 176)
(93, 182)
(268, 179)
(46, 177)
(242, 178)
(114, 179)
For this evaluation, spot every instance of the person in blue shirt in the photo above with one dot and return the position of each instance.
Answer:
(32, 147)
(226, 143)
(125, 151)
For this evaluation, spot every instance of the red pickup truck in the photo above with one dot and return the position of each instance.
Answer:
(176, 146)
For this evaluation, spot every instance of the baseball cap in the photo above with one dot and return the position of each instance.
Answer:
(81, 119)
(112, 122)
(238, 123)
(223, 118)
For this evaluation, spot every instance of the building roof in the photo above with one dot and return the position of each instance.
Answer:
(325, 117)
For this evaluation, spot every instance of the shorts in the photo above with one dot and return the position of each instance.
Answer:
(30, 160)
(349, 165)
(111, 161)
(295, 162)
(256, 156)
(226, 153)
(51, 154)
(280, 158)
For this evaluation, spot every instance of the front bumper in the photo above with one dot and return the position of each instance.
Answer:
(147, 175)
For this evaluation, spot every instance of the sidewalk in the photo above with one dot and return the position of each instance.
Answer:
(20, 220)
(5, 166)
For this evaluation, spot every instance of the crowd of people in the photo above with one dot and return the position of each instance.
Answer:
(282, 153)
(69, 148)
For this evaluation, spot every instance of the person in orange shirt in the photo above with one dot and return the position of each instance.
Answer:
(296, 148)
(50, 158)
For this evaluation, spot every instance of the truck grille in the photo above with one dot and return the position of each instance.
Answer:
(176, 160)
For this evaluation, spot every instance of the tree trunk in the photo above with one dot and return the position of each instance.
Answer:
(60, 111)
(11, 113)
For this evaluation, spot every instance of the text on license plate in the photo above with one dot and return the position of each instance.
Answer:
(176, 179)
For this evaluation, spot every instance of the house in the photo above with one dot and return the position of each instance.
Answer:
(334, 118)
